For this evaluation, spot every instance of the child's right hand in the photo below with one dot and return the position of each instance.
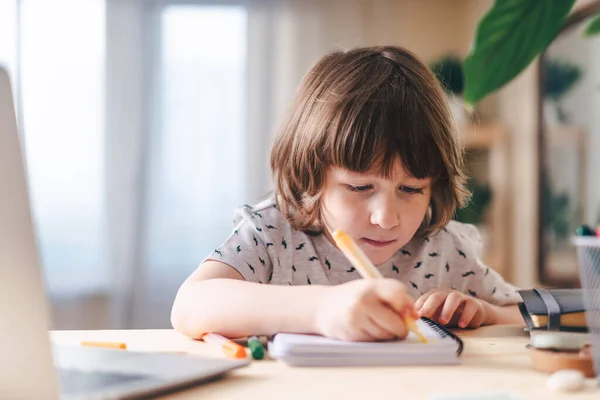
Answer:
(365, 310)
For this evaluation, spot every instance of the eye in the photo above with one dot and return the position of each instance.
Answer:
(411, 190)
(362, 188)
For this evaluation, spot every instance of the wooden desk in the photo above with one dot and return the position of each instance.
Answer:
(495, 360)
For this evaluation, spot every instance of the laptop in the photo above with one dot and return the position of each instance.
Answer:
(30, 367)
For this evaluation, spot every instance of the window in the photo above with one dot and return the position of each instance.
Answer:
(62, 58)
(197, 157)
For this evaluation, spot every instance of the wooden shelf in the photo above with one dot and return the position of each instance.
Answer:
(480, 136)
(493, 138)
(565, 133)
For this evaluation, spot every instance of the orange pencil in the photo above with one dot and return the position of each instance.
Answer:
(229, 347)
(110, 345)
(367, 270)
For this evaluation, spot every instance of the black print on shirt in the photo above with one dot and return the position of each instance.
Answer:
(251, 267)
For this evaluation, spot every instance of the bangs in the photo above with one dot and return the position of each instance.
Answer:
(370, 131)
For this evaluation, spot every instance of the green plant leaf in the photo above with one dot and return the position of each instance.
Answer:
(508, 38)
(594, 27)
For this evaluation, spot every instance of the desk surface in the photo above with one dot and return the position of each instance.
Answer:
(495, 360)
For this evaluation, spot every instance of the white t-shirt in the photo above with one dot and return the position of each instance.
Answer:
(264, 248)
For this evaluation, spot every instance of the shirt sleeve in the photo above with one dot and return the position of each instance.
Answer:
(475, 278)
(246, 252)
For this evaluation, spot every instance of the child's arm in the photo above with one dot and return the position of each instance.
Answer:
(503, 314)
(216, 299)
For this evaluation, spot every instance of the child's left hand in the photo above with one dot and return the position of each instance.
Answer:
(452, 308)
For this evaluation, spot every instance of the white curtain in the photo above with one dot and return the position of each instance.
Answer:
(58, 83)
(189, 108)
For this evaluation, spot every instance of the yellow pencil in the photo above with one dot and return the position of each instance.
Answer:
(367, 270)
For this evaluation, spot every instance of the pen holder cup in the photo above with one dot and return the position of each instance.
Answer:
(588, 254)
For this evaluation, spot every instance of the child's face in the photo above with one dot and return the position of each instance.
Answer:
(380, 215)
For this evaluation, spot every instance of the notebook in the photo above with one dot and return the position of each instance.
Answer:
(443, 347)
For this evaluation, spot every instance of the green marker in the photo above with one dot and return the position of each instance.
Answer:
(256, 348)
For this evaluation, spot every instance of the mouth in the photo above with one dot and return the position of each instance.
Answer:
(377, 243)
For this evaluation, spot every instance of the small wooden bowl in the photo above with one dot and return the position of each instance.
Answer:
(550, 361)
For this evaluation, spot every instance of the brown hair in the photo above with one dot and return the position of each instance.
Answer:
(361, 105)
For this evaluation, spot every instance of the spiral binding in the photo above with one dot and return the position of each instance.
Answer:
(436, 327)
(443, 332)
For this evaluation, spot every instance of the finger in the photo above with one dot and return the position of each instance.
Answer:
(376, 332)
(421, 300)
(471, 309)
(454, 321)
(453, 301)
(393, 293)
(432, 305)
(389, 320)
(357, 330)
(355, 335)
(363, 335)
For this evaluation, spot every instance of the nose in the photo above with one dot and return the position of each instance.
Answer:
(385, 213)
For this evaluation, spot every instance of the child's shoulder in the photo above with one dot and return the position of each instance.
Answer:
(460, 232)
(455, 235)
(463, 237)
(263, 215)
